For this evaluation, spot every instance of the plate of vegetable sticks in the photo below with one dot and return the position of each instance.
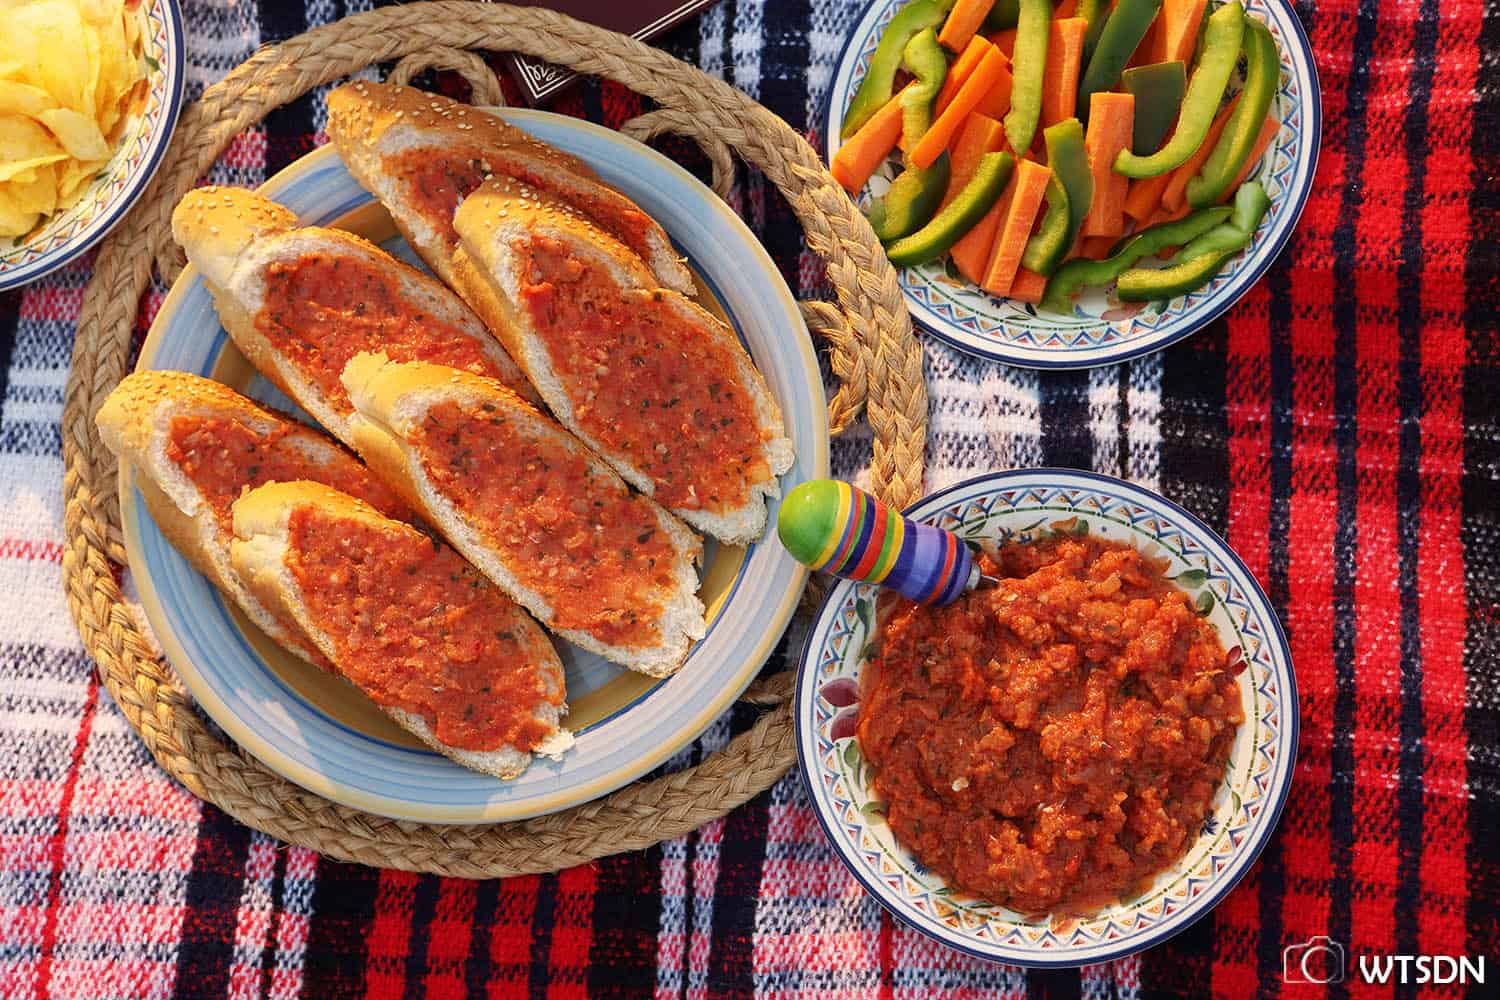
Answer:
(1070, 184)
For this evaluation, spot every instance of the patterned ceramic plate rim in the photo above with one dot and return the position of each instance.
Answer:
(113, 194)
(1116, 931)
(255, 708)
(953, 322)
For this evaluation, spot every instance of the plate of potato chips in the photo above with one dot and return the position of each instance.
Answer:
(89, 95)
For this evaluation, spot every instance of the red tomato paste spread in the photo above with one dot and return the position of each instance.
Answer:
(224, 458)
(645, 381)
(417, 629)
(586, 544)
(438, 179)
(1051, 744)
(322, 309)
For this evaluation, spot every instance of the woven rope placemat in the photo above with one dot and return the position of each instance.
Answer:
(873, 354)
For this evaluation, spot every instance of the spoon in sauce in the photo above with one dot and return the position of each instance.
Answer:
(835, 528)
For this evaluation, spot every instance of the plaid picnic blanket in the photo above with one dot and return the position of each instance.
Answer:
(1341, 429)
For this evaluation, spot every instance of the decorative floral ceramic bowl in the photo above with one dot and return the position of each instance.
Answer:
(107, 198)
(1101, 329)
(1025, 505)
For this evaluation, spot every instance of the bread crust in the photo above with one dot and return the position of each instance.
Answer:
(233, 235)
(369, 123)
(133, 423)
(258, 552)
(391, 400)
(496, 223)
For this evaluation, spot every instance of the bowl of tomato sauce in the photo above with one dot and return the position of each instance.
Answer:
(1068, 766)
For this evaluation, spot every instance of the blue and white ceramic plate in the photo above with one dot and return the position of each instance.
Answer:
(319, 732)
(111, 194)
(1024, 505)
(1103, 330)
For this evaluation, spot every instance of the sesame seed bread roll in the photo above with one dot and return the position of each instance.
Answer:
(195, 445)
(407, 622)
(422, 153)
(537, 512)
(299, 301)
(656, 385)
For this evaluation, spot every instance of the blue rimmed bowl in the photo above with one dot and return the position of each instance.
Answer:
(1101, 330)
(318, 732)
(113, 192)
(1024, 505)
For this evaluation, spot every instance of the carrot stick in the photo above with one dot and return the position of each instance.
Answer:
(1268, 131)
(963, 21)
(1178, 34)
(996, 102)
(980, 135)
(1022, 200)
(961, 70)
(1143, 52)
(1060, 79)
(1175, 193)
(985, 76)
(1168, 214)
(1096, 247)
(1111, 121)
(1144, 196)
(972, 251)
(867, 149)
(1028, 286)
(1005, 41)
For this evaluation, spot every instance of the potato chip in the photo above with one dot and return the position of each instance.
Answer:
(51, 33)
(68, 81)
(22, 204)
(73, 178)
(79, 134)
(24, 99)
(22, 138)
(25, 170)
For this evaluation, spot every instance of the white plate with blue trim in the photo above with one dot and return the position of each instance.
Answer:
(1102, 330)
(137, 153)
(317, 731)
(1023, 505)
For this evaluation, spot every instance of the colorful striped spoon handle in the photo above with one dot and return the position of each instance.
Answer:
(833, 527)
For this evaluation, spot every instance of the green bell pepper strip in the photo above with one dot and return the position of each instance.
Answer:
(912, 200)
(1145, 285)
(879, 83)
(1157, 89)
(1251, 203)
(924, 59)
(948, 226)
(1250, 206)
(1028, 67)
(1217, 56)
(1075, 274)
(1003, 15)
(1095, 12)
(1122, 34)
(1047, 246)
(1262, 77)
(1069, 162)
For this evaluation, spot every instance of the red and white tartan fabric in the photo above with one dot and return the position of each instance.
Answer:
(1341, 429)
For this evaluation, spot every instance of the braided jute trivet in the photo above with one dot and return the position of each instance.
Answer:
(874, 353)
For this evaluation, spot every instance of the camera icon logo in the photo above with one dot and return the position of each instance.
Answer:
(1317, 960)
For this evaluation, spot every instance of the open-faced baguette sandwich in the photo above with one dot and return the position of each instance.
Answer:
(421, 154)
(660, 388)
(195, 445)
(299, 302)
(408, 622)
(533, 509)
